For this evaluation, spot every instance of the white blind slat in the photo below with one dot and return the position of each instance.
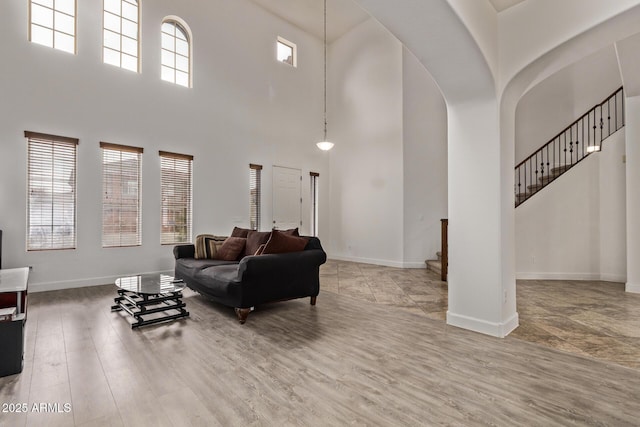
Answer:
(121, 209)
(176, 188)
(51, 186)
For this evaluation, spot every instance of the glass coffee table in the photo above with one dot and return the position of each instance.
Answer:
(150, 298)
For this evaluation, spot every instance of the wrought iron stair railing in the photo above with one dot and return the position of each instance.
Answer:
(577, 141)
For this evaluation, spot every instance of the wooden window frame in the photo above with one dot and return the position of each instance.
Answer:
(255, 198)
(314, 178)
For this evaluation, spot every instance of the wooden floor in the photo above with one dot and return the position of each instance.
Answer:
(345, 361)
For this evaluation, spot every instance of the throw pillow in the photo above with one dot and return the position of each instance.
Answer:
(291, 232)
(255, 239)
(240, 232)
(280, 243)
(206, 245)
(231, 249)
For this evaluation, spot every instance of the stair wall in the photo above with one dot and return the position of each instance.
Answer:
(575, 228)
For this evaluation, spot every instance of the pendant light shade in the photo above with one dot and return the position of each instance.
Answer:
(325, 145)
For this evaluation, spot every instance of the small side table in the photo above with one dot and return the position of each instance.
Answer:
(150, 298)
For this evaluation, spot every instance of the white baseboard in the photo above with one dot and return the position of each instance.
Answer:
(383, 262)
(499, 330)
(557, 276)
(633, 288)
(606, 277)
(82, 283)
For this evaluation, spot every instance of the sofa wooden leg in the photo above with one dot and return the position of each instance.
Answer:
(242, 314)
(313, 300)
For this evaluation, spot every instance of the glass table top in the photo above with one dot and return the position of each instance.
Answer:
(150, 283)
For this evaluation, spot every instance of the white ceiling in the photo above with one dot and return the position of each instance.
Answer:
(342, 15)
(500, 5)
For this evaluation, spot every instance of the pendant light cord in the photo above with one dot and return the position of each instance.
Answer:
(325, 70)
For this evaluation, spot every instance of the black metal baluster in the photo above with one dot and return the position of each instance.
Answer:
(571, 143)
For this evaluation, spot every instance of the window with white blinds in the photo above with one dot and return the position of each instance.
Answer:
(255, 196)
(315, 177)
(51, 186)
(120, 33)
(53, 24)
(176, 185)
(121, 210)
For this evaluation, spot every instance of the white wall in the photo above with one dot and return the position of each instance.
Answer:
(552, 105)
(244, 108)
(425, 162)
(575, 228)
(365, 122)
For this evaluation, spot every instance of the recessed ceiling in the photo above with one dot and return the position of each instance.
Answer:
(342, 15)
(500, 5)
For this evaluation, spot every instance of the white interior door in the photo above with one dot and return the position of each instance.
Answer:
(287, 198)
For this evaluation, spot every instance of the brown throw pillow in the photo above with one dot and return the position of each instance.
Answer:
(240, 232)
(231, 249)
(291, 232)
(281, 243)
(254, 240)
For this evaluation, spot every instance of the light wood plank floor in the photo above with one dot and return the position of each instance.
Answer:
(343, 362)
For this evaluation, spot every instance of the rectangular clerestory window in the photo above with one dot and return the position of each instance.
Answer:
(53, 24)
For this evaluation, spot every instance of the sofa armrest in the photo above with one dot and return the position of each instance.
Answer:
(184, 251)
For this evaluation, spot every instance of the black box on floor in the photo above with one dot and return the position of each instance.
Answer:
(12, 341)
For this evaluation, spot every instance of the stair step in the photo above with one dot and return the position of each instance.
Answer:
(559, 170)
(544, 180)
(434, 265)
(534, 188)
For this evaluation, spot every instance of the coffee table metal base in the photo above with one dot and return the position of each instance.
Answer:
(139, 305)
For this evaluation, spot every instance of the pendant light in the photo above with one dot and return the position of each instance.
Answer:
(325, 145)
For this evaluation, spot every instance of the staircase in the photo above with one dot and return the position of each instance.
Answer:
(435, 265)
(577, 141)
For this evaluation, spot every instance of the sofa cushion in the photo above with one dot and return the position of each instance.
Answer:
(260, 249)
(240, 232)
(280, 243)
(232, 249)
(254, 240)
(191, 266)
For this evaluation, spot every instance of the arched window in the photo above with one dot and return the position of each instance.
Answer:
(120, 34)
(53, 24)
(176, 52)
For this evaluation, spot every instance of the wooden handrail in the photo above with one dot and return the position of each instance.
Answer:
(444, 250)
